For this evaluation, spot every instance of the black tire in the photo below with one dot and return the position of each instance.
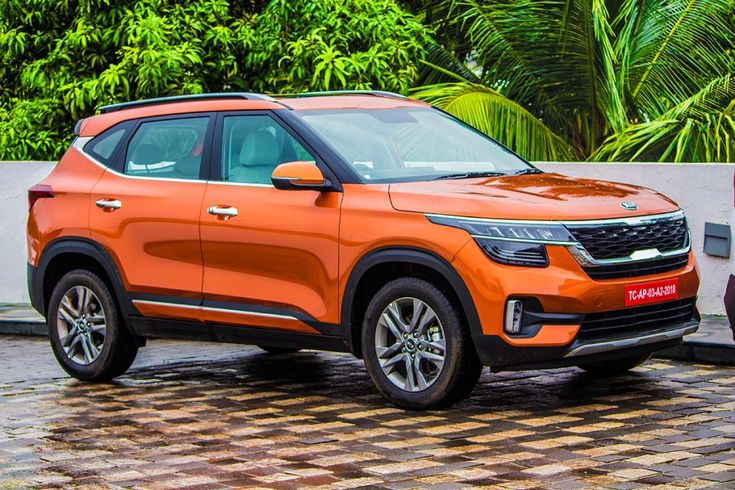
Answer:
(278, 350)
(461, 368)
(119, 347)
(614, 368)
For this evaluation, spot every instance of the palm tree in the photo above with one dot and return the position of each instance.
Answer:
(625, 80)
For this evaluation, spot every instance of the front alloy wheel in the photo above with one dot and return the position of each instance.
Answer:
(417, 347)
(410, 344)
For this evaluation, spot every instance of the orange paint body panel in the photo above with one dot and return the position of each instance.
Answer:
(280, 250)
(72, 180)
(531, 197)
(154, 236)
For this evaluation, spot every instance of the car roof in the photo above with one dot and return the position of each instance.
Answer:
(114, 114)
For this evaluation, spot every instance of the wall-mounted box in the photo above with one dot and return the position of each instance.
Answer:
(717, 239)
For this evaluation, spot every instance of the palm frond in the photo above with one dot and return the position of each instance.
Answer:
(669, 49)
(499, 117)
(438, 65)
(701, 128)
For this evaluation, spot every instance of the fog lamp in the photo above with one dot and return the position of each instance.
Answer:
(513, 316)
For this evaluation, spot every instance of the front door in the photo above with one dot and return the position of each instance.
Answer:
(270, 256)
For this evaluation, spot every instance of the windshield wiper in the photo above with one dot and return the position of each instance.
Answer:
(469, 175)
(529, 170)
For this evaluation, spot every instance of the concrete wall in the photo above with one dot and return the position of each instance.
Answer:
(705, 192)
(15, 179)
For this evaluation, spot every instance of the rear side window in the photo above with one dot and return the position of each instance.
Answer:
(167, 149)
(103, 146)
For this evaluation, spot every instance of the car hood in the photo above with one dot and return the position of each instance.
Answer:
(533, 196)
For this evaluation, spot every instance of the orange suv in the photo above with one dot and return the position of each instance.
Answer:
(362, 222)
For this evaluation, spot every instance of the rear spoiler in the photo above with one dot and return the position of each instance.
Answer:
(78, 127)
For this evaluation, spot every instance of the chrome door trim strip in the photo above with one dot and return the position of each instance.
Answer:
(252, 313)
(215, 309)
(586, 349)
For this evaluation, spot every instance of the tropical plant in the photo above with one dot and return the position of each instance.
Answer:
(60, 60)
(604, 80)
(335, 44)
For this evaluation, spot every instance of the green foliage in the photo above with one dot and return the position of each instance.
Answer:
(63, 59)
(335, 44)
(629, 80)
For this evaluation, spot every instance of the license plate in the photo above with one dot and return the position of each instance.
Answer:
(651, 292)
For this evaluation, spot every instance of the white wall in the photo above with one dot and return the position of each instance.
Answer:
(15, 179)
(704, 191)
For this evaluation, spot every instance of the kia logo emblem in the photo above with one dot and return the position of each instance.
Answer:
(630, 206)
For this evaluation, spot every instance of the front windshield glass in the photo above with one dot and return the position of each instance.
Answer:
(407, 144)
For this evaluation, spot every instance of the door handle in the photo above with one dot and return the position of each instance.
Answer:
(108, 204)
(226, 211)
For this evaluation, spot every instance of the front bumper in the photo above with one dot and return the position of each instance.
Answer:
(501, 356)
(571, 309)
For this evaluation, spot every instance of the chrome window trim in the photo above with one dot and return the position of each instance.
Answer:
(83, 140)
(80, 141)
(215, 309)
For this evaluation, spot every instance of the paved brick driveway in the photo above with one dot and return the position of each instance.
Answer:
(213, 416)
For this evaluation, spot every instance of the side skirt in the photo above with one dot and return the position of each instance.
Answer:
(177, 329)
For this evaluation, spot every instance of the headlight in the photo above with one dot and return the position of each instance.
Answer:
(511, 242)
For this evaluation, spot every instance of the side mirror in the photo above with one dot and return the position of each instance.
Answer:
(299, 176)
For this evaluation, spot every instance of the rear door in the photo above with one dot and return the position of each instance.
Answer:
(146, 213)
(270, 256)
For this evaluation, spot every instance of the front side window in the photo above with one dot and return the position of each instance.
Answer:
(390, 145)
(167, 149)
(253, 146)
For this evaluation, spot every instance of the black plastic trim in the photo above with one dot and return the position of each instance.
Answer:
(175, 329)
(184, 98)
(501, 356)
(408, 255)
(730, 303)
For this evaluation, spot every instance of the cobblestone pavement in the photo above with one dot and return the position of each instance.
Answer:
(217, 416)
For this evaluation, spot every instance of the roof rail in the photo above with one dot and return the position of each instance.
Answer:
(183, 98)
(377, 93)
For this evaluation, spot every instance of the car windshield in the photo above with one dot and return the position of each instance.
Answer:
(410, 144)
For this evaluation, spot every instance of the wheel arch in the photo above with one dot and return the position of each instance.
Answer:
(379, 266)
(65, 254)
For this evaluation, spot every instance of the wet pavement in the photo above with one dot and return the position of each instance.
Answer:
(217, 416)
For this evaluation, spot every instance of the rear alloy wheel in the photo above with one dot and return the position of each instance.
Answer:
(417, 350)
(87, 336)
(614, 368)
(81, 325)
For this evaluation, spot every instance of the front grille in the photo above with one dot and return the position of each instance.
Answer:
(635, 269)
(620, 240)
(633, 322)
